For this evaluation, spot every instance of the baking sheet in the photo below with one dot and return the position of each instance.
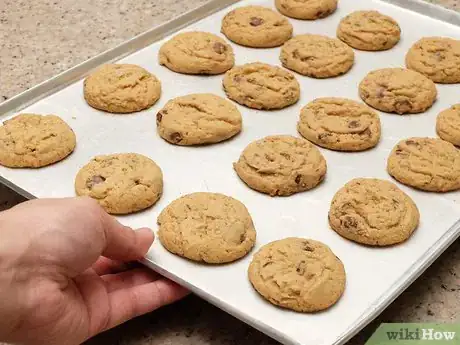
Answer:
(375, 276)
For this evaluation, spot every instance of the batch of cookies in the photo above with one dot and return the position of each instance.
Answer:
(294, 273)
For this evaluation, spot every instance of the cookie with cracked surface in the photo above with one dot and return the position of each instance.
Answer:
(340, 124)
(438, 58)
(198, 119)
(426, 163)
(369, 30)
(121, 88)
(306, 9)
(34, 141)
(257, 27)
(207, 227)
(298, 274)
(281, 165)
(448, 124)
(261, 86)
(197, 52)
(374, 212)
(398, 90)
(317, 56)
(121, 183)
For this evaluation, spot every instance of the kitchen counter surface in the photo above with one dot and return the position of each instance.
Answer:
(41, 38)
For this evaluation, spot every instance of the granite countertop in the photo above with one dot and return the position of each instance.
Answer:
(41, 38)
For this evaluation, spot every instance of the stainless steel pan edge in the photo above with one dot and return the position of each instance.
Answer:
(62, 80)
(273, 333)
(428, 9)
(76, 73)
(412, 273)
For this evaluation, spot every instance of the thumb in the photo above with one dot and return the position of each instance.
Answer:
(122, 242)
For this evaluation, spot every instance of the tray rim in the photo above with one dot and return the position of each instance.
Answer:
(156, 33)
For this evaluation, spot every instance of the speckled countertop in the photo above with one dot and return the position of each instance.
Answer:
(41, 38)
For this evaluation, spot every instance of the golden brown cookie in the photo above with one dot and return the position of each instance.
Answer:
(256, 26)
(207, 227)
(438, 58)
(261, 86)
(317, 56)
(121, 88)
(34, 141)
(298, 274)
(369, 30)
(398, 90)
(198, 119)
(340, 124)
(306, 9)
(448, 124)
(197, 52)
(374, 212)
(121, 183)
(426, 163)
(281, 165)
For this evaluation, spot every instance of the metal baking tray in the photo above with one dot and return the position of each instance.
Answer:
(375, 276)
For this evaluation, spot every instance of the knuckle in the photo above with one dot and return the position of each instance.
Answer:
(89, 203)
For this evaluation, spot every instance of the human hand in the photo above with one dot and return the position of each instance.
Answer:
(62, 277)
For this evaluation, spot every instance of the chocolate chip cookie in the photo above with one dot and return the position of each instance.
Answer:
(398, 90)
(121, 88)
(256, 26)
(34, 141)
(197, 52)
(448, 124)
(426, 163)
(281, 165)
(306, 9)
(261, 86)
(299, 274)
(339, 124)
(438, 58)
(207, 227)
(198, 119)
(374, 212)
(369, 30)
(121, 183)
(317, 56)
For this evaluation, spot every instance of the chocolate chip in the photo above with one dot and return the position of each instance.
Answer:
(439, 56)
(410, 142)
(403, 106)
(322, 14)
(323, 136)
(301, 268)
(349, 222)
(307, 247)
(256, 21)
(298, 179)
(237, 79)
(159, 117)
(175, 137)
(285, 155)
(219, 48)
(367, 132)
(91, 182)
(380, 92)
(399, 152)
(354, 124)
